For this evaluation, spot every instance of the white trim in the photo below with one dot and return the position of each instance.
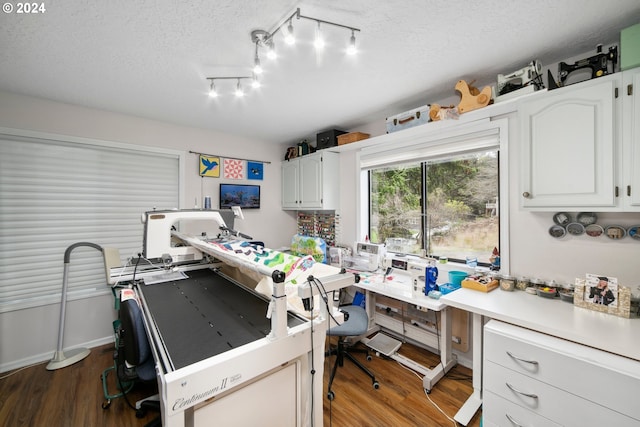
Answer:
(424, 138)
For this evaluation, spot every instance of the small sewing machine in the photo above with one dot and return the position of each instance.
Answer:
(408, 268)
(367, 257)
(598, 64)
(525, 80)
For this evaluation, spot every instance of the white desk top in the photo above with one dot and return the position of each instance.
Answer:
(397, 286)
(553, 317)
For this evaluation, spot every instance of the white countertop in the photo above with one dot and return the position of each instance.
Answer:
(553, 317)
(397, 286)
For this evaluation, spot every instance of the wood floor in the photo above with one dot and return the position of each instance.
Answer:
(73, 396)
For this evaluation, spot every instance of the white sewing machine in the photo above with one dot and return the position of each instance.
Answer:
(211, 364)
(409, 268)
(525, 80)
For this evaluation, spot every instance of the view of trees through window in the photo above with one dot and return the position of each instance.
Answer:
(458, 217)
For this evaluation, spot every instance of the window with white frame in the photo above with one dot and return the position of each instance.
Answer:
(56, 191)
(440, 196)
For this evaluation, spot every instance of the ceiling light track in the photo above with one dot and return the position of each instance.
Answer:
(265, 39)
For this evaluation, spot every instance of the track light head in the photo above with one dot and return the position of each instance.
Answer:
(271, 49)
(257, 68)
(213, 93)
(239, 92)
(351, 49)
(290, 38)
(319, 41)
(255, 83)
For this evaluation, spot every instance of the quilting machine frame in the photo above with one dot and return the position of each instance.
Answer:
(217, 389)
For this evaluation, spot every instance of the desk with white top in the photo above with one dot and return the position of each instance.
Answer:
(399, 288)
(553, 317)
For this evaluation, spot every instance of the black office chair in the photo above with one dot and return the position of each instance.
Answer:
(356, 323)
(133, 359)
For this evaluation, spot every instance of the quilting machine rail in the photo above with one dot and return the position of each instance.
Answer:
(206, 370)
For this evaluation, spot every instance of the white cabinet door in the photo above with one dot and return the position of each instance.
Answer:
(311, 181)
(569, 147)
(630, 93)
(290, 183)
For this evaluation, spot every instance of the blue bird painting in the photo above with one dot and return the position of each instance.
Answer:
(209, 166)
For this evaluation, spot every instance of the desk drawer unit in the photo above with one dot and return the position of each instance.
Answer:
(572, 384)
(505, 413)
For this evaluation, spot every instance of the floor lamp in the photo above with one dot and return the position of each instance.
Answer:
(60, 359)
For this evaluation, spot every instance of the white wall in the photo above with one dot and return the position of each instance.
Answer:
(28, 336)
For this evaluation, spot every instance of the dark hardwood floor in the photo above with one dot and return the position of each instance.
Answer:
(73, 396)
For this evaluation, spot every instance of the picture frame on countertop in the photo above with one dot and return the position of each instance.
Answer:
(591, 291)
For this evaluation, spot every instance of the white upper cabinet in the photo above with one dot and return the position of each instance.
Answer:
(630, 93)
(569, 147)
(311, 182)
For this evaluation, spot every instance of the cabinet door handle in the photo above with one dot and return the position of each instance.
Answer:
(533, 362)
(629, 89)
(531, 395)
(629, 190)
(526, 195)
(513, 421)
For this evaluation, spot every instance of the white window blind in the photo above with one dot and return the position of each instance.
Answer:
(57, 192)
(441, 147)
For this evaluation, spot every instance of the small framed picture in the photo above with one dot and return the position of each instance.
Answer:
(601, 290)
(603, 293)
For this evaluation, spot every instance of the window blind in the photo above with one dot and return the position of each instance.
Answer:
(442, 147)
(54, 193)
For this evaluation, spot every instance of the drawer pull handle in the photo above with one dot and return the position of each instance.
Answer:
(514, 422)
(533, 362)
(531, 395)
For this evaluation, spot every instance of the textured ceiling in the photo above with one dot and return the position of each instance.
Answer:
(150, 58)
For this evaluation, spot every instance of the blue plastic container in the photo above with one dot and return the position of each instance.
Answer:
(456, 277)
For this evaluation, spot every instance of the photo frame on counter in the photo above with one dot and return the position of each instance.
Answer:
(603, 294)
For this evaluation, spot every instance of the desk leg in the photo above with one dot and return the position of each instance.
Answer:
(473, 403)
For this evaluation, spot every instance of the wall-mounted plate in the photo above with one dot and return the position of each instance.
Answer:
(575, 229)
(557, 231)
(587, 218)
(615, 232)
(562, 218)
(594, 230)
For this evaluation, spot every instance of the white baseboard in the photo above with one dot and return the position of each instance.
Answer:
(45, 357)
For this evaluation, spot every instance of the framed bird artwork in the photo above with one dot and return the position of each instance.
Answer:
(255, 170)
(209, 166)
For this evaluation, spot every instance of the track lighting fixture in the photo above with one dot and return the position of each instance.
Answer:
(239, 90)
(264, 39)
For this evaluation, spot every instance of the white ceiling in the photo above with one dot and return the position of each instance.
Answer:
(150, 58)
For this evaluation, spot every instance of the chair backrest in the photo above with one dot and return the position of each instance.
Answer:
(135, 342)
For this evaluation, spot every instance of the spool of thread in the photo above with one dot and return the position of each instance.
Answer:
(207, 202)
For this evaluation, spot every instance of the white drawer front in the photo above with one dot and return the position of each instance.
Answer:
(499, 412)
(610, 380)
(548, 401)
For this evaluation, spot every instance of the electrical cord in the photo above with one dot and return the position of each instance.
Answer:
(322, 292)
(429, 397)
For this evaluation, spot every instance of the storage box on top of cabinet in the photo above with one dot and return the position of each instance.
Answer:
(408, 119)
(348, 138)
